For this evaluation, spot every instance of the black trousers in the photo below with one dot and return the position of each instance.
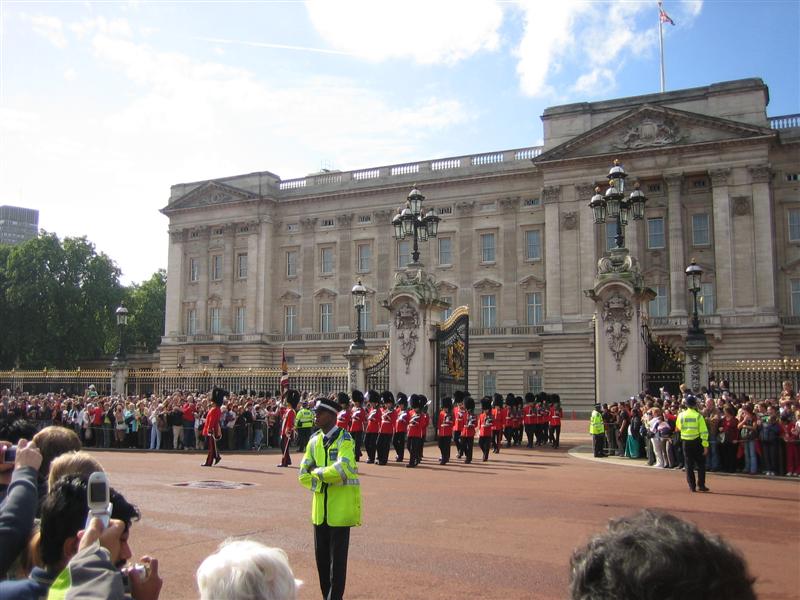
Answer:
(529, 434)
(555, 434)
(414, 450)
(457, 442)
(213, 453)
(485, 443)
(444, 448)
(286, 459)
(303, 435)
(371, 443)
(399, 443)
(508, 432)
(497, 438)
(330, 548)
(466, 447)
(358, 438)
(382, 445)
(693, 455)
(599, 441)
(518, 435)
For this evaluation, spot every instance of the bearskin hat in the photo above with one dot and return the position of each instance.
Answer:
(498, 401)
(293, 398)
(447, 403)
(402, 399)
(510, 400)
(458, 396)
(486, 403)
(530, 398)
(555, 399)
(387, 397)
(414, 401)
(423, 402)
(218, 396)
(541, 397)
(518, 401)
(373, 396)
(469, 404)
(357, 396)
(343, 399)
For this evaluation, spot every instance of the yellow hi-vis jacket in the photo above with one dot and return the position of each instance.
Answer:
(304, 419)
(331, 473)
(596, 425)
(692, 425)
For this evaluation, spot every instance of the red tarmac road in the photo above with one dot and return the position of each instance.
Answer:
(502, 529)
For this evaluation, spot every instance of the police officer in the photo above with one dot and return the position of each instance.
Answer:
(694, 435)
(329, 470)
(304, 423)
(598, 431)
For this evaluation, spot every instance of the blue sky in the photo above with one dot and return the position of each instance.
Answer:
(104, 105)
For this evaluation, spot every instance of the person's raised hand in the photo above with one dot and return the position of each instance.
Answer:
(28, 455)
(146, 586)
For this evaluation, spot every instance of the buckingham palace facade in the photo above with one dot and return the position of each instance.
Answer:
(258, 263)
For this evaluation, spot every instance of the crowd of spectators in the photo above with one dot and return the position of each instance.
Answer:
(745, 435)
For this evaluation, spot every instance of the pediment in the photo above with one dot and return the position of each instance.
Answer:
(652, 127)
(209, 194)
(289, 296)
(487, 284)
(446, 286)
(531, 281)
(324, 292)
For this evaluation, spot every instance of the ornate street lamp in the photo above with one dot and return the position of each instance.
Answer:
(413, 220)
(122, 322)
(359, 293)
(614, 205)
(693, 276)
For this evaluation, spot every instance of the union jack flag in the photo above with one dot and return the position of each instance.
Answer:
(665, 18)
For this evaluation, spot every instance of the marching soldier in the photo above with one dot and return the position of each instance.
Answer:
(508, 426)
(444, 430)
(287, 426)
(459, 415)
(358, 419)
(386, 429)
(415, 431)
(373, 425)
(343, 417)
(498, 422)
(555, 420)
(486, 427)
(400, 426)
(529, 418)
(468, 430)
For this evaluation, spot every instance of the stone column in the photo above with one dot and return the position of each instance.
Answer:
(308, 273)
(356, 368)
(254, 276)
(587, 233)
(119, 378)
(508, 240)
(229, 274)
(551, 196)
(677, 260)
(723, 243)
(175, 282)
(697, 351)
(620, 352)
(345, 273)
(201, 307)
(467, 260)
(765, 268)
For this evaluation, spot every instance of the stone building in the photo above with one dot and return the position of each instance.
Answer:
(18, 224)
(257, 263)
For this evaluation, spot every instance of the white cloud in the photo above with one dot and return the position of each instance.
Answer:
(50, 28)
(116, 27)
(70, 75)
(589, 83)
(442, 31)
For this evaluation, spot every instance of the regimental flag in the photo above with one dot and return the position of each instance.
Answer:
(284, 373)
(663, 16)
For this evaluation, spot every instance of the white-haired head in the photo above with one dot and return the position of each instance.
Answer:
(246, 570)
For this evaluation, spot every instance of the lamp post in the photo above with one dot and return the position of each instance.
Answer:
(693, 276)
(359, 293)
(614, 205)
(413, 220)
(122, 322)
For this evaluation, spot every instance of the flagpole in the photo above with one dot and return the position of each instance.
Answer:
(661, 45)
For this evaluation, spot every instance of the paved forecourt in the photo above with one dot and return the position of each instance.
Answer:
(502, 529)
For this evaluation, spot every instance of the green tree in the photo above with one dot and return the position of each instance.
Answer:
(146, 303)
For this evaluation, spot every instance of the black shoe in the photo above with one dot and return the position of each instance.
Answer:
(216, 460)
(280, 466)
(692, 490)
(485, 458)
(466, 462)
(371, 461)
(703, 488)
(205, 465)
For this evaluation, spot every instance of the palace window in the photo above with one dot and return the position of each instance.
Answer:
(534, 309)
(403, 254)
(488, 249)
(191, 321)
(241, 266)
(291, 263)
(658, 305)
(216, 267)
(194, 269)
(326, 317)
(326, 261)
(449, 310)
(239, 319)
(705, 299)
(611, 234)
(533, 245)
(534, 382)
(794, 225)
(700, 230)
(290, 319)
(364, 252)
(214, 319)
(445, 251)
(795, 291)
(489, 310)
(655, 233)
(365, 316)
(488, 384)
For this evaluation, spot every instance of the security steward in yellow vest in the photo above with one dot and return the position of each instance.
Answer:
(598, 431)
(304, 425)
(694, 436)
(329, 470)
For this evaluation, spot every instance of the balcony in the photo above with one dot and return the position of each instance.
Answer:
(505, 331)
(784, 122)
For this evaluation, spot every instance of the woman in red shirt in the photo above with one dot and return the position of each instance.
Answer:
(212, 430)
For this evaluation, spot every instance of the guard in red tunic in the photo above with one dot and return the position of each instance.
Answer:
(556, 414)
(498, 422)
(358, 422)
(343, 417)
(400, 426)
(517, 420)
(416, 431)
(212, 429)
(287, 426)
(444, 430)
(374, 414)
(386, 430)
(508, 426)
(468, 429)
(485, 427)
(426, 419)
(529, 417)
(459, 415)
